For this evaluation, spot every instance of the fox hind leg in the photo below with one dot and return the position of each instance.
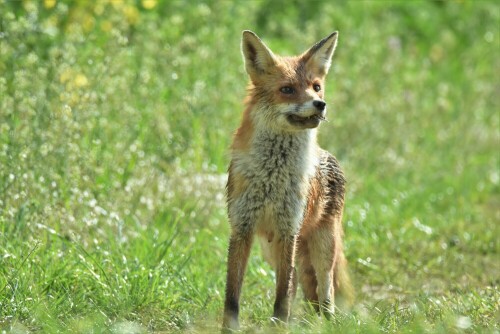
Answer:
(322, 254)
(307, 274)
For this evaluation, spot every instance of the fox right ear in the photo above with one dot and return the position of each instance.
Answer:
(258, 57)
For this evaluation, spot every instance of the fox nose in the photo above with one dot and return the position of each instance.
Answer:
(320, 105)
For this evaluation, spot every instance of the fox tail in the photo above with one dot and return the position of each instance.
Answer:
(344, 292)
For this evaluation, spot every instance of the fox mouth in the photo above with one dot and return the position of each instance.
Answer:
(306, 122)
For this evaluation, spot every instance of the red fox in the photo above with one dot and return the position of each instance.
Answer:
(282, 186)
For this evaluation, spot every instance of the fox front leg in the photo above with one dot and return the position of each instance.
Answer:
(285, 277)
(239, 250)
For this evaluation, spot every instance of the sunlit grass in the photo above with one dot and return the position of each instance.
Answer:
(115, 123)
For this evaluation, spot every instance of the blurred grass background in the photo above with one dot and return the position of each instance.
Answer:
(115, 123)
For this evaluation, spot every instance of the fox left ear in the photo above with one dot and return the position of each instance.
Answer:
(258, 57)
(319, 56)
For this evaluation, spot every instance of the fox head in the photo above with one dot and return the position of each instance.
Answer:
(288, 92)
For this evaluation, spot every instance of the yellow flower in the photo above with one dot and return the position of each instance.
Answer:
(88, 23)
(106, 26)
(49, 3)
(149, 4)
(81, 80)
(117, 4)
(132, 14)
(65, 75)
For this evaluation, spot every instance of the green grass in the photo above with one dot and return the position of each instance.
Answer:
(115, 123)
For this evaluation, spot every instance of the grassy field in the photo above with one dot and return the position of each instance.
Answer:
(115, 122)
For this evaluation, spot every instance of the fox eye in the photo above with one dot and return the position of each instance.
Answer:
(287, 90)
(316, 87)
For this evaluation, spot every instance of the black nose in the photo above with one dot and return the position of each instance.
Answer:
(320, 105)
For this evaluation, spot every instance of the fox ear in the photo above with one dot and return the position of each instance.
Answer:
(319, 56)
(258, 57)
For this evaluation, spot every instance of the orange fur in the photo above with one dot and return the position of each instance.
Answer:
(243, 136)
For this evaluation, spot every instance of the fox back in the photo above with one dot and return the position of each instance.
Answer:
(281, 186)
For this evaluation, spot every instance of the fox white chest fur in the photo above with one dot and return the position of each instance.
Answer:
(278, 168)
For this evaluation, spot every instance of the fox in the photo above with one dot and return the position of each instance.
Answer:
(282, 187)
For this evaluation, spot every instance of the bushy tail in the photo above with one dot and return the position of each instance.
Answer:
(344, 292)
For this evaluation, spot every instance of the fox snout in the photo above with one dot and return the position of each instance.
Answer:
(310, 116)
(318, 109)
(319, 104)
